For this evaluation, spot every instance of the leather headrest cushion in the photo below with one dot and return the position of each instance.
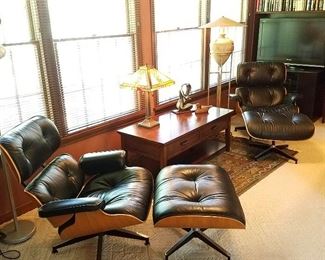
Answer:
(261, 74)
(102, 162)
(30, 144)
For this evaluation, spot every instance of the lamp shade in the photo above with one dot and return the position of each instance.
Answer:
(222, 22)
(147, 79)
(222, 47)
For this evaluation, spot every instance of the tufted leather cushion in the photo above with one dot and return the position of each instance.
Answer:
(30, 144)
(195, 190)
(278, 126)
(255, 74)
(128, 191)
(124, 191)
(102, 162)
(258, 97)
(61, 179)
(260, 84)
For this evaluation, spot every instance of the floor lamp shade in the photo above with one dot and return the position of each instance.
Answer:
(222, 47)
(147, 79)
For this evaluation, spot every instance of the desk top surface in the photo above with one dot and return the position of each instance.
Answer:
(174, 125)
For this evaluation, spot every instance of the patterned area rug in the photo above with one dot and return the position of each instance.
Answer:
(243, 170)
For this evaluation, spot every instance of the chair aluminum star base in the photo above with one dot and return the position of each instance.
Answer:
(273, 148)
(116, 232)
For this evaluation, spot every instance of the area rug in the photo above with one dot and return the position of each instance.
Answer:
(244, 172)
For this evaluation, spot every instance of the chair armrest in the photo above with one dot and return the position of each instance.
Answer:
(102, 162)
(70, 206)
(235, 97)
(293, 97)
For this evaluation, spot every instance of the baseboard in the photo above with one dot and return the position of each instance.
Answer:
(20, 210)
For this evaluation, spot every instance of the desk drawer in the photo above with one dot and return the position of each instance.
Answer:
(182, 144)
(211, 130)
(149, 149)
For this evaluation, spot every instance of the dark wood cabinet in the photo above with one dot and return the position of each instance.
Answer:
(310, 83)
(253, 21)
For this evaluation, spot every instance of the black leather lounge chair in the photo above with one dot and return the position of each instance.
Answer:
(96, 196)
(269, 112)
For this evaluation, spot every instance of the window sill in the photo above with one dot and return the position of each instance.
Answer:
(104, 127)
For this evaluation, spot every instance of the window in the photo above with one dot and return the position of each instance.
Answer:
(66, 58)
(178, 44)
(86, 46)
(21, 94)
(235, 10)
(95, 50)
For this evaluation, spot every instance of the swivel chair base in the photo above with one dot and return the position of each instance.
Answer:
(116, 232)
(198, 233)
(273, 148)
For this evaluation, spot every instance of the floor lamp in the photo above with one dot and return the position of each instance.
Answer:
(221, 48)
(17, 231)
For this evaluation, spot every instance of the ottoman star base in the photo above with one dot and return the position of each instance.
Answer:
(196, 197)
(198, 233)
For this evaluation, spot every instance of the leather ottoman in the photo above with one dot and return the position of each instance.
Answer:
(196, 197)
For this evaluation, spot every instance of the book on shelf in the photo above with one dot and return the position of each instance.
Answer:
(289, 5)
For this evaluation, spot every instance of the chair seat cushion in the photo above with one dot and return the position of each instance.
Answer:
(278, 126)
(127, 191)
(196, 196)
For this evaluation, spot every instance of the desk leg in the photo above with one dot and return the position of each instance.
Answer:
(163, 158)
(227, 136)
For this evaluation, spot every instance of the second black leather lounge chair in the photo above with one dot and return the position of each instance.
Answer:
(94, 197)
(269, 112)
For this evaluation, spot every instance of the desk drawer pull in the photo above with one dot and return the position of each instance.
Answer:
(184, 142)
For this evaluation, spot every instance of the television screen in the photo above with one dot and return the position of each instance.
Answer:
(294, 41)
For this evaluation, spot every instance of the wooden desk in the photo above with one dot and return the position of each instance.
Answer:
(182, 138)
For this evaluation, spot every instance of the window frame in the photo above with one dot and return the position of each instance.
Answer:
(203, 17)
(145, 43)
(53, 80)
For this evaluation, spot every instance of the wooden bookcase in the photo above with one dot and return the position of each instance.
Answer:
(258, 9)
(308, 82)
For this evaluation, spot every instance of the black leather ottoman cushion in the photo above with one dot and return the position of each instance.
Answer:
(276, 126)
(196, 196)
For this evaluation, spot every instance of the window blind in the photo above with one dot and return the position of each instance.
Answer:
(66, 59)
(21, 94)
(235, 10)
(178, 44)
(95, 48)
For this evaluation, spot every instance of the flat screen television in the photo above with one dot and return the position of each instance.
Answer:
(294, 41)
